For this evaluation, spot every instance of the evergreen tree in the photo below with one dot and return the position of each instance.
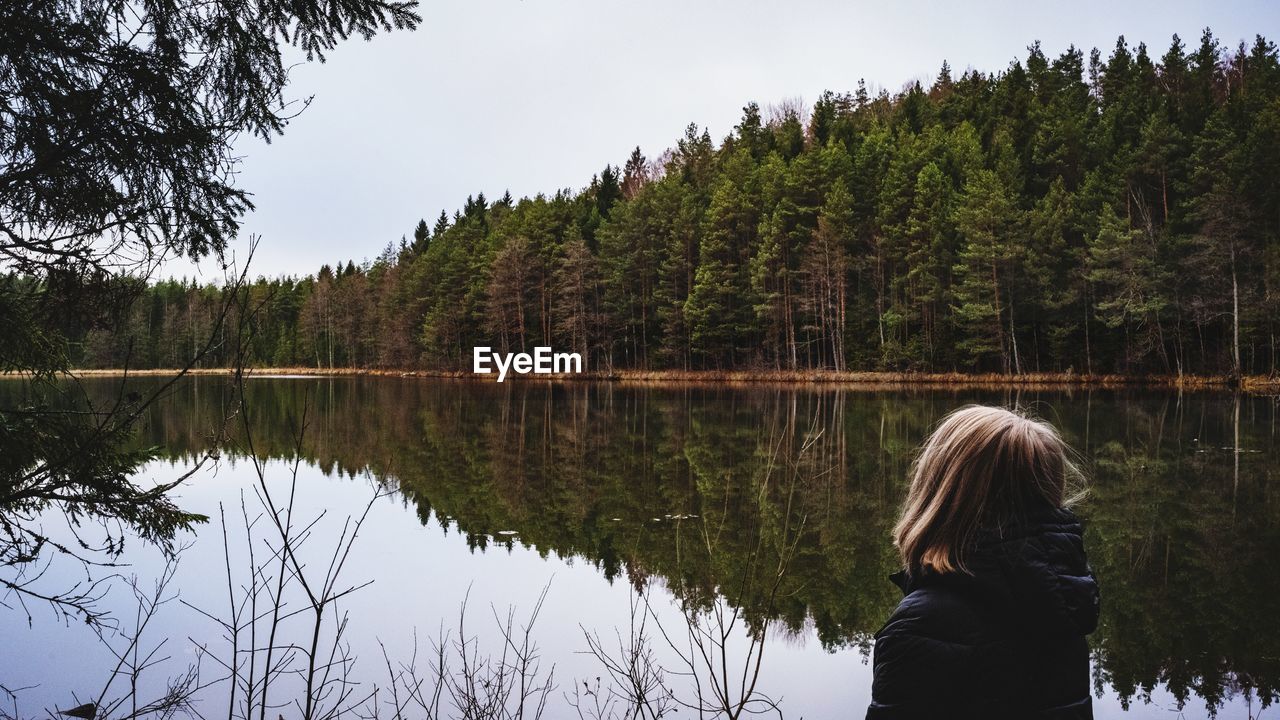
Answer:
(715, 309)
(987, 221)
(928, 258)
(1122, 267)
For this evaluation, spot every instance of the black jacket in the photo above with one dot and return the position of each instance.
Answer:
(1007, 641)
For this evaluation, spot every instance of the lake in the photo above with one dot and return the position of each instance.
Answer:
(754, 518)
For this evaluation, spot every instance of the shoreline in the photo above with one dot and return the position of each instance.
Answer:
(868, 379)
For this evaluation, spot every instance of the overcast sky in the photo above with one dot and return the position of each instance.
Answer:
(534, 95)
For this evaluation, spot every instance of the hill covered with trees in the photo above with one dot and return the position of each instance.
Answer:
(1088, 212)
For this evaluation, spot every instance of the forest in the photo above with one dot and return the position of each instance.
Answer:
(1086, 213)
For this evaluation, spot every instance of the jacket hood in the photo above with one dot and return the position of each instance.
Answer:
(1035, 569)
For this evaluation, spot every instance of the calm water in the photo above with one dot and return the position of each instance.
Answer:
(775, 502)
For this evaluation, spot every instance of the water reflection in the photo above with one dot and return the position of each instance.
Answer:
(710, 490)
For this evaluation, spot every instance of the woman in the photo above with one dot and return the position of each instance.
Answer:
(998, 594)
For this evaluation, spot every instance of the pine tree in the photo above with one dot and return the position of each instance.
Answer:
(987, 221)
(508, 295)
(577, 299)
(715, 310)
(421, 236)
(928, 258)
(634, 174)
(826, 269)
(1121, 265)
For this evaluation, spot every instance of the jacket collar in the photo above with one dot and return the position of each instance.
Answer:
(902, 580)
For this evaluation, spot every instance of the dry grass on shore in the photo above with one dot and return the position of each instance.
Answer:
(874, 380)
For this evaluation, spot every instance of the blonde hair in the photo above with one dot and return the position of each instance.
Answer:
(980, 468)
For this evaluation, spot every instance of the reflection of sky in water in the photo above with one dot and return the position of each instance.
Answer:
(422, 575)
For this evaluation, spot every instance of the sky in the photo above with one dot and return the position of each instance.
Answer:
(536, 95)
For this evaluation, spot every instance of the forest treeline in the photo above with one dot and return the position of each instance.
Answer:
(1086, 212)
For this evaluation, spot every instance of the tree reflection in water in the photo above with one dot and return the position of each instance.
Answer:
(1183, 522)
